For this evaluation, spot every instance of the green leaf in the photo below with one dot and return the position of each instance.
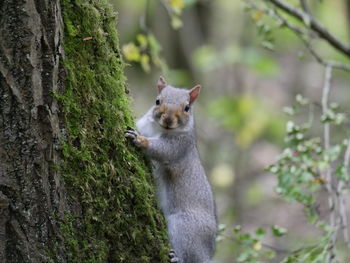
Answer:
(142, 40)
(176, 22)
(301, 100)
(245, 237)
(221, 228)
(289, 110)
(237, 229)
(260, 232)
(342, 173)
(278, 231)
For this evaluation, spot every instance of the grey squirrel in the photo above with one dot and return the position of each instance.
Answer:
(167, 136)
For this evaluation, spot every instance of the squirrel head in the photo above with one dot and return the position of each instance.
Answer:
(173, 106)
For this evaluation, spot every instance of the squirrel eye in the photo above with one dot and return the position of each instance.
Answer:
(187, 108)
(157, 102)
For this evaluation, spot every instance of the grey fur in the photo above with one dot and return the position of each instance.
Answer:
(175, 96)
(184, 193)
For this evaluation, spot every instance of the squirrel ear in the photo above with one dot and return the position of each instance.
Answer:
(161, 84)
(194, 92)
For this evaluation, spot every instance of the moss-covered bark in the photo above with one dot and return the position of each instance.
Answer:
(114, 216)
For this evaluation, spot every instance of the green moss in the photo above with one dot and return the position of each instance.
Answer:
(118, 220)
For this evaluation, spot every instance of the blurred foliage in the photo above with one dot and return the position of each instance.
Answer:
(247, 118)
(175, 9)
(207, 58)
(145, 50)
(222, 175)
(254, 194)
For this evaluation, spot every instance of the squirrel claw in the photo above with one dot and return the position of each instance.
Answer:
(128, 128)
(172, 257)
(136, 138)
(131, 134)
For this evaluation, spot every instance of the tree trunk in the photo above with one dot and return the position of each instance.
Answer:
(71, 188)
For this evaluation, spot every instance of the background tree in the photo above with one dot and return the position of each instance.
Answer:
(71, 188)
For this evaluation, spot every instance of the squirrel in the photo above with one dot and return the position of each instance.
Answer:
(166, 134)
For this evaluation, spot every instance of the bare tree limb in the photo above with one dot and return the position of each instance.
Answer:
(314, 25)
(342, 198)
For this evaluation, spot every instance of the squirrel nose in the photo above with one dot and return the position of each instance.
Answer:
(168, 121)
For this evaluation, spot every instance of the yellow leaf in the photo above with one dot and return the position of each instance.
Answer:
(131, 52)
(257, 246)
(142, 39)
(257, 15)
(145, 63)
(177, 4)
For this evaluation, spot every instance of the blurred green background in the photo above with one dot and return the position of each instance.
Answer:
(246, 85)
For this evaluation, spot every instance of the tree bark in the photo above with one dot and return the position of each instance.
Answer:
(71, 188)
(31, 189)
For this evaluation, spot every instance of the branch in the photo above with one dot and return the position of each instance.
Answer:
(326, 137)
(144, 19)
(276, 249)
(328, 176)
(325, 96)
(347, 155)
(314, 25)
(342, 199)
(305, 6)
(302, 34)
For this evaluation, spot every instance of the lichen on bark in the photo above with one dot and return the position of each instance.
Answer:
(114, 216)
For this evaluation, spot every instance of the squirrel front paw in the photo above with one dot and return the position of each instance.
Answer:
(136, 138)
(172, 257)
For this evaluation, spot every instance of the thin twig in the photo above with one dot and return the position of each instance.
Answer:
(313, 24)
(338, 65)
(325, 97)
(276, 249)
(303, 35)
(347, 154)
(305, 7)
(167, 7)
(144, 19)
